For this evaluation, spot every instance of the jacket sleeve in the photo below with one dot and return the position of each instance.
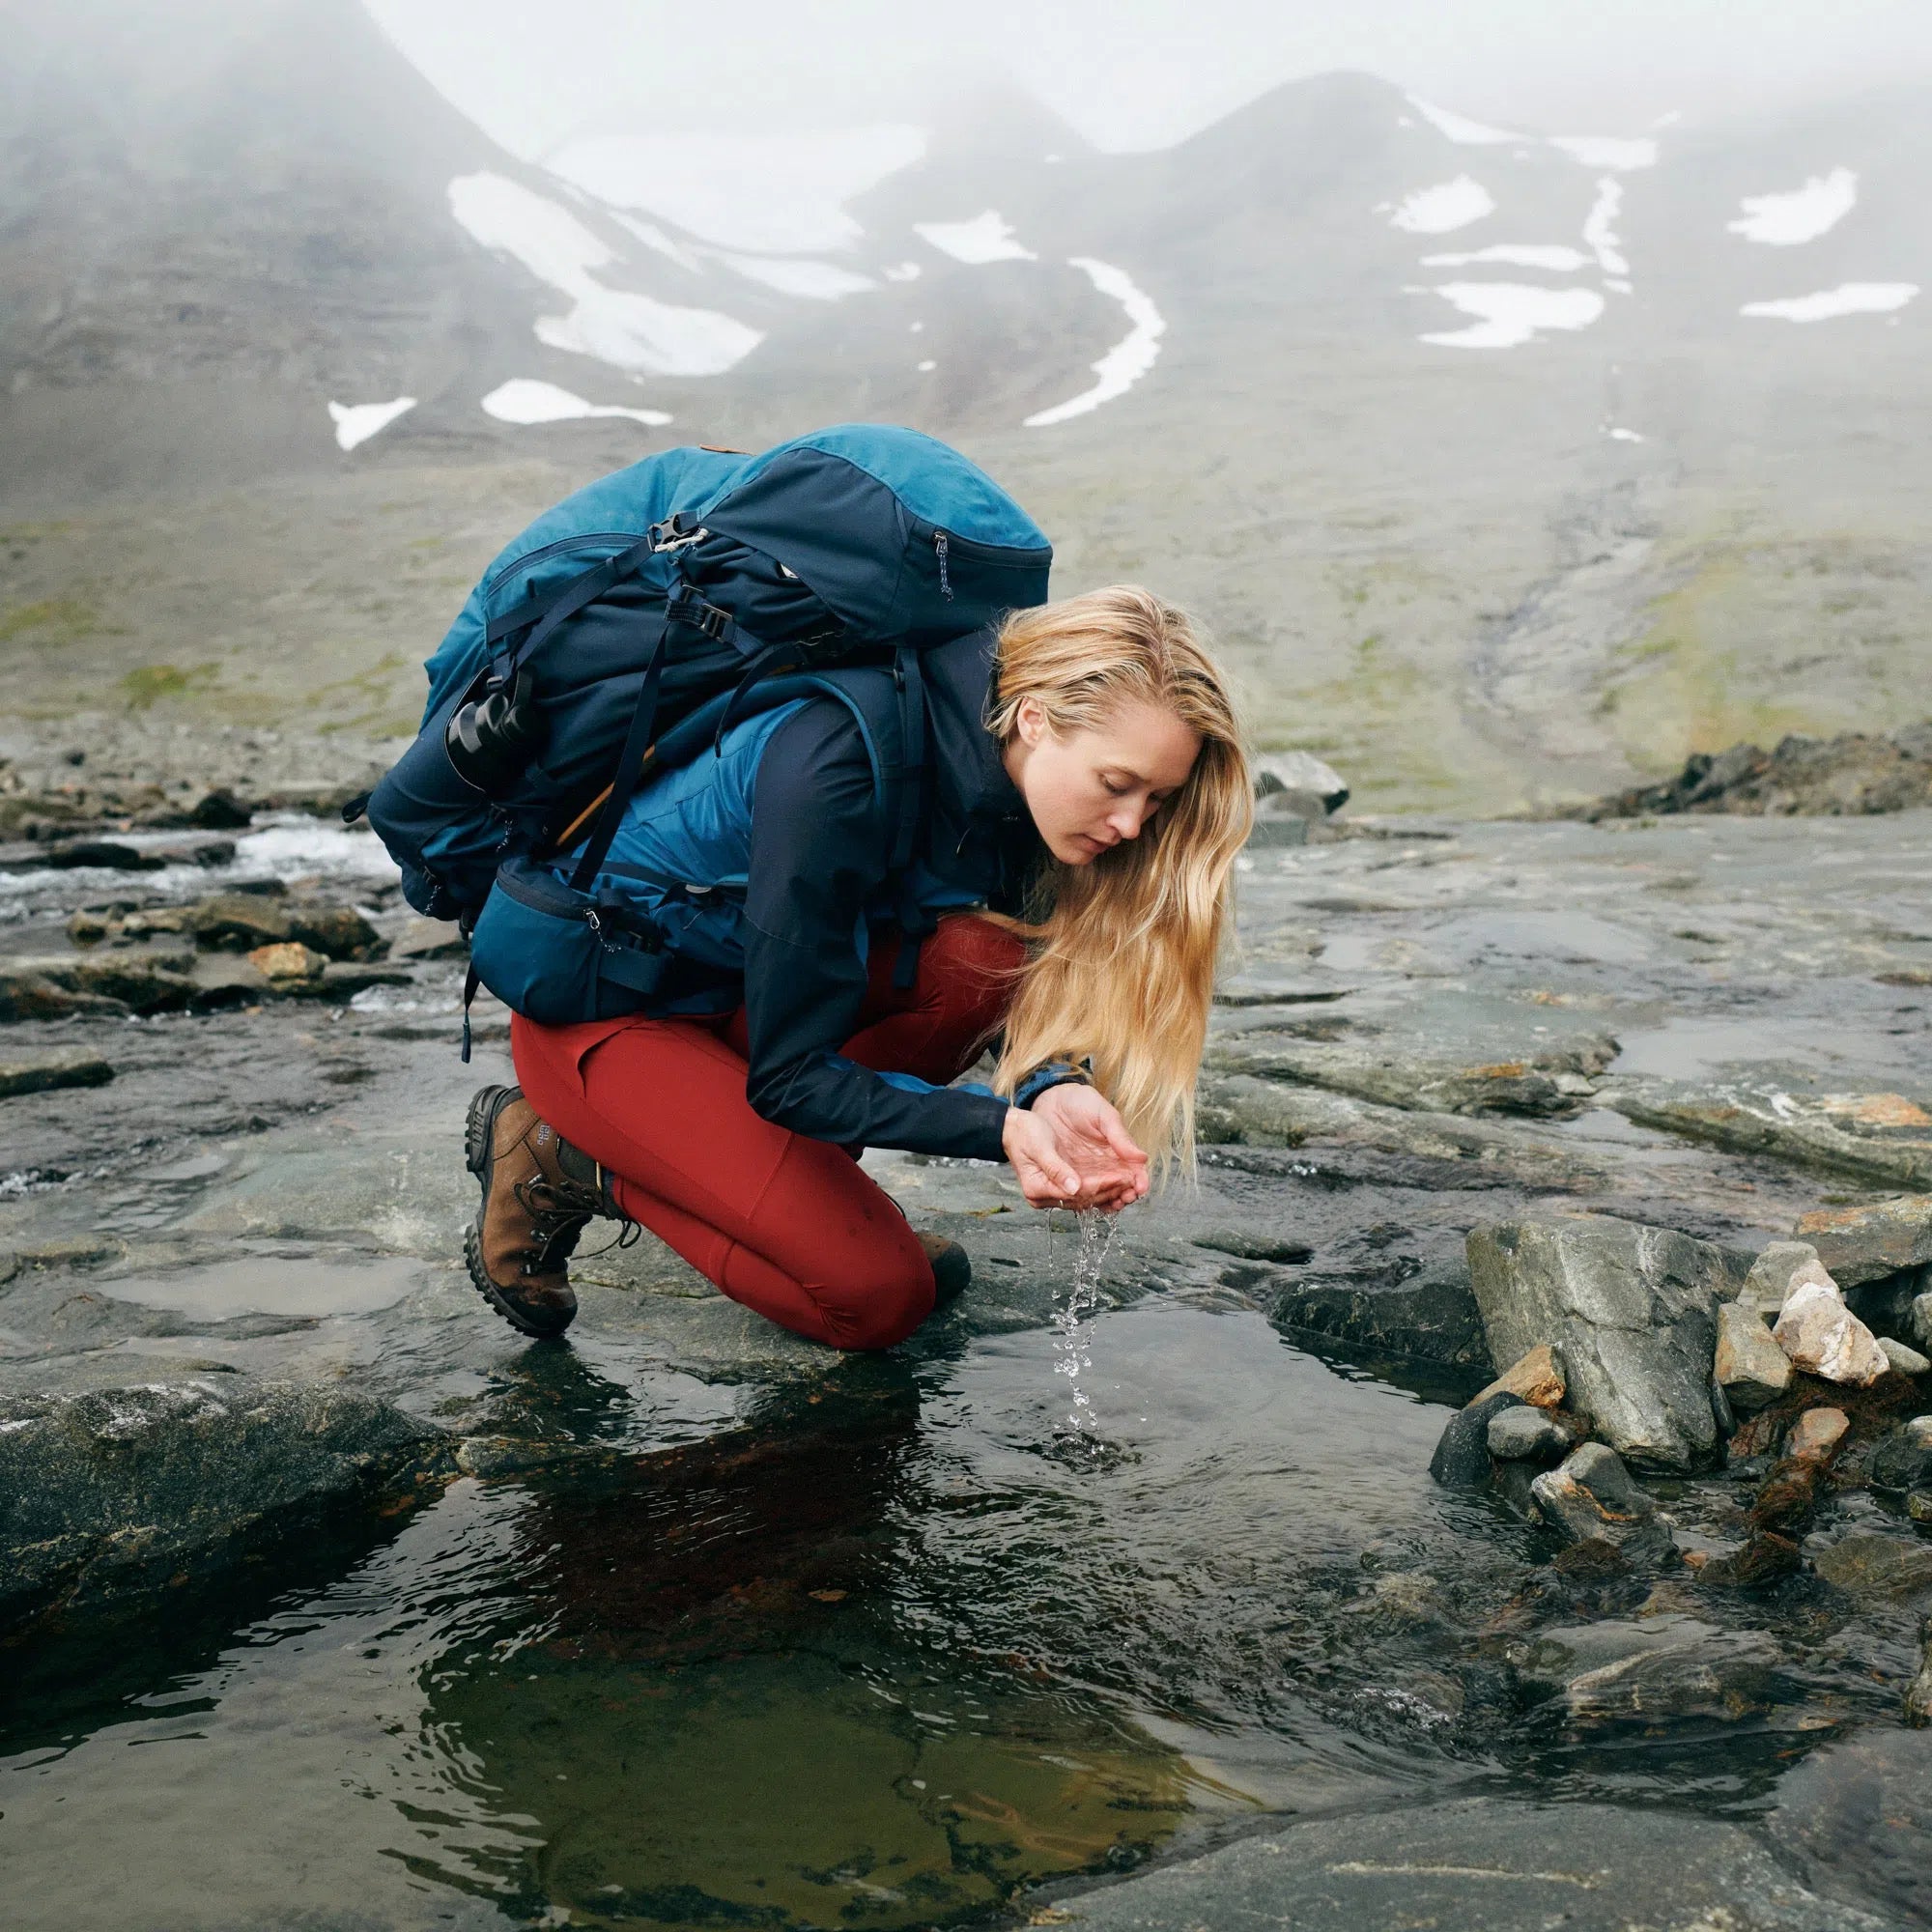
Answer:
(817, 854)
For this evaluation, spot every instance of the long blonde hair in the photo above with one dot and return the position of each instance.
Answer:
(1120, 971)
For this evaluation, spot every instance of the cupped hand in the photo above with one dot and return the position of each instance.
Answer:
(1092, 1140)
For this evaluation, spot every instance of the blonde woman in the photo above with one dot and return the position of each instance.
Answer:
(1087, 795)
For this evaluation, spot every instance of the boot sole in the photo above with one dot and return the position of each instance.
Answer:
(478, 1130)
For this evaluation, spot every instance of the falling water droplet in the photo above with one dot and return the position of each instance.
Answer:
(1072, 1331)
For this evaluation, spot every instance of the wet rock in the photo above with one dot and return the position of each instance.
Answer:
(1527, 1436)
(1547, 1083)
(1633, 1310)
(1593, 1499)
(1284, 819)
(1462, 1458)
(1815, 1131)
(222, 981)
(429, 939)
(42, 1072)
(1822, 1336)
(1860, 1244)
(1904, 1361)
(238, 923)
(106, 853)
(1903, 1460)
(1384, 1301)
(1493, 1863)
(1920, 1320)
(1857, 1817)
(1919, 1693)
(1537, 1378)
(1675, 1668)
(1867, 1563)
(219, 811)
(289, 960)
(344, 978)
(341, 932)
(1751, 1369)
(33, 996)
(118, 1489)
(1817, 1435)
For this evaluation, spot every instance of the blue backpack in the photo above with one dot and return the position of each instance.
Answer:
(629, 626)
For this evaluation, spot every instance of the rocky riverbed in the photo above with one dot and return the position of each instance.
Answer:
(310, 1564)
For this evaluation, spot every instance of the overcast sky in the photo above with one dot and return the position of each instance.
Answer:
(1137, 73)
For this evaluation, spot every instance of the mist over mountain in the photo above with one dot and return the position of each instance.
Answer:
(1504, 465)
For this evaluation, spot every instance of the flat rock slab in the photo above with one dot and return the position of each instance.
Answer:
(42, 1072)
(1480, 1866)
(1866, 1243)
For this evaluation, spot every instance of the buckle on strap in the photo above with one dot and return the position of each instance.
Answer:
(685, 605)
(676, 532)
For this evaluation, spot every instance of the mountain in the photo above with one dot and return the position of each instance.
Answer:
(1505, 464)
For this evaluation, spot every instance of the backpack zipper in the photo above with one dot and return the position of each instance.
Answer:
(939, 550)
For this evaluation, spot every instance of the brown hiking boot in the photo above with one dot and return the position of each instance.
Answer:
(951, 1271)
(538, 1193)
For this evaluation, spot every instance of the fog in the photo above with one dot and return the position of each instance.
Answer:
(1139, 73)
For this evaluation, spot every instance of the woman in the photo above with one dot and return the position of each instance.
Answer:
(1086, 767)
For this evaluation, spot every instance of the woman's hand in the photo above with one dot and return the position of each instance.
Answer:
(1089, 1147)
(1046, 1174)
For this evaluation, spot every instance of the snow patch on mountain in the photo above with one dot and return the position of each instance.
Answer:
(358, 422)
(1450, 204)
(1460, 129)
(1510, 313)
(1555, 257)
(525, 400)
(799, 276)
(1847, 299)
(1129, 358)
(632, 331)
(986, 237)
(1600, 229)
(1783, 220)
(772, 193)
(1607, 150)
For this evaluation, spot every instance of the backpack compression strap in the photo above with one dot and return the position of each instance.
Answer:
(915, 922)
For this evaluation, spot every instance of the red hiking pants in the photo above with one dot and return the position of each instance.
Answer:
(790, 1226)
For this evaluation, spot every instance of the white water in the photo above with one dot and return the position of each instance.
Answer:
(1072, 1333)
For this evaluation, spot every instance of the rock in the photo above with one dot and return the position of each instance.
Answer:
(219, 811)
(289, 960)
(1709, 1674)
(222, 981)
(122, 1488)
(1921, 1319)
(1633, 1310)
(429, 939)
(1494, 1863)
(1919, 1693)
(1817, 1435)
(1751, 1369)
(1414, 1307)
(1867, 1563)
(1859, 1244)
(1462, 1458)
(1904, 1361)
(1281, 820)
(1858, 1815)
(76, 1067)
(340, 931)
(1823, 1337)
(1537, 1378)
(1527, 1436)
(1768, 1281)
(1299, 775)
(105, 853)
(343, 979)
(33, 996)
(1545, 1082)
(238, 923)
(1592, 1499)
(1903, 1458)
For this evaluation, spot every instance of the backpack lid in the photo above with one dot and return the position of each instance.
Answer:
(898, 534)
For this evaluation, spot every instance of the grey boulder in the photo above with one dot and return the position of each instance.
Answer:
(1633, 1313)
(1591, 1498)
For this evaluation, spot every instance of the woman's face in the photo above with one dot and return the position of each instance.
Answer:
(1089, 789)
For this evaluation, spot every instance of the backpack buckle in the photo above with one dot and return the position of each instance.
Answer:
(687, 607)
(676, 533)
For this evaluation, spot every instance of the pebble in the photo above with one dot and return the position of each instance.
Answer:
(1816, 1434)
(1526, 1435)
(288, 959)
(1823, 1336)
(1751, 1369)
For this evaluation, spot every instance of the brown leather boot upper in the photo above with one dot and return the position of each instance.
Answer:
(533, 1211)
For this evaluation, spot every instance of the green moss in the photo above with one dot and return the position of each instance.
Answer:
(148, 683)
(52, 620)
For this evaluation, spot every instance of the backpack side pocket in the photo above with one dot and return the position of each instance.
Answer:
(559, 956)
